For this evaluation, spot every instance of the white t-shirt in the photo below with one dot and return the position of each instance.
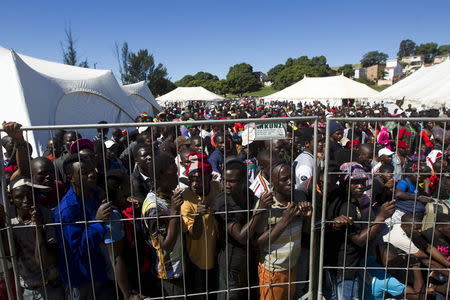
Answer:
(399, 239)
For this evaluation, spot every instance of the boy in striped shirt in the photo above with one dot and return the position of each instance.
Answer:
(280, 237)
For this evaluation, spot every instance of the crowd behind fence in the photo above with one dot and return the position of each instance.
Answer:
(208, 210)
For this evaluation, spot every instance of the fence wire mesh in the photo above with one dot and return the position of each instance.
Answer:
(206, 210)
(159, 210)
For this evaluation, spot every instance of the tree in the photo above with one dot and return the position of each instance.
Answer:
(221, 87)
(428, 50)
(406, 48)
(200, 79)
(373, 58)
(70, 56)
(140, 66)
(241, 79)
(275, 71)
(347, 70)
(444, 50)
(295, 68)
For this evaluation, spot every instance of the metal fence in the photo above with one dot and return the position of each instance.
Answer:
(430, 256)
(309, 275)
(11, 249)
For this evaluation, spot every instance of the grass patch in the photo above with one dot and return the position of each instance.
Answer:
(267, 90)
(380, 87)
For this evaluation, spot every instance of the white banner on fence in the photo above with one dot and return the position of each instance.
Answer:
(271, 131)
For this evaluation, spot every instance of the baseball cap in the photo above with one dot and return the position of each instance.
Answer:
(26, 182)
(385, 151)
(109, 144)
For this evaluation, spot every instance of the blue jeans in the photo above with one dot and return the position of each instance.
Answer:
(340, 289)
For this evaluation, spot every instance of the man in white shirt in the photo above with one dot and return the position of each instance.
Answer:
(304, 163)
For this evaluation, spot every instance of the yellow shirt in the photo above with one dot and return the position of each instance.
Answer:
(203, 250)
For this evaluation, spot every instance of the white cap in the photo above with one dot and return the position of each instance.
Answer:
(385, 151)
(109, 144)
(142, 129)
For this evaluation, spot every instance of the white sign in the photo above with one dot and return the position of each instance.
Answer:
(271, 131)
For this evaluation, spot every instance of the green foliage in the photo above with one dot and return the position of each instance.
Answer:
(241, 79)
(204, 79)
(365, 81)
(220, 87)
(373, 58)
(444, 49)
(406, 48)
(140, 66)
(241, 68)
(428, 50)
(295, 68)
(275, 71)
(347, 70)
(264, 91)
(70, 56)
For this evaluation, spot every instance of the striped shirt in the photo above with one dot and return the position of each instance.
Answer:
(169, 264)
(281, 254)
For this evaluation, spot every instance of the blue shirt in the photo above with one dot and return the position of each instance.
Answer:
(216, 161)
(73, 240)
(408, 205)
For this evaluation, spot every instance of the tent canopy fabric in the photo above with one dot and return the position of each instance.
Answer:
(324, 88)
(196, 93)
(40, 92)
(429, 86)
(140, 91)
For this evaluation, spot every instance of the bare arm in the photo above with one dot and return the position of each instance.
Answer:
(22, 155)
(115, 251)
(369, 233)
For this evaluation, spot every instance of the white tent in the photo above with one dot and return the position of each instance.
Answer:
(429, 86)
(40, 92)
(141, 92)
(334, 88)
(182, 94)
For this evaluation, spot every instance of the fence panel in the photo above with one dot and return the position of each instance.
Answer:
(385, 209)
(150, 215)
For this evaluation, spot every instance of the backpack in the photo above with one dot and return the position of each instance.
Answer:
(433, 208)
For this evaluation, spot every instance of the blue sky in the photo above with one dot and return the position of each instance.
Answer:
(192, 36)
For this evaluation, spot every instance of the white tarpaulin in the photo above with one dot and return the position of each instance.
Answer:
(429, 86)
(141, 92)
(323, 88)
(40, 92)
(182, 94)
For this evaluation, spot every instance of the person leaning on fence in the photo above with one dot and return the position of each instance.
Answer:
(41, 170)
(236, 229)
(199, 224)
(279, 237)
(141, 178)
(407, 238)
(410, 193)
(35, 244)
(163, 233)
(80, 245)
(346, 242)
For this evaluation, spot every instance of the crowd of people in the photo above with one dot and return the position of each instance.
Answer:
(169, 210)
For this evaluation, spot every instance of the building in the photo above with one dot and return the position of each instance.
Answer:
(413, 63)
(441, 58)
(360, 73)
(262, 77)
(393, 70)
(375, 72)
